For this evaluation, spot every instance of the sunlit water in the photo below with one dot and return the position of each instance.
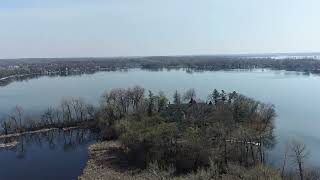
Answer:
(295, 95)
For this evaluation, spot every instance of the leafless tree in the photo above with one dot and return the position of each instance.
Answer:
(6, 125)
(19, 113)
(91, 111)
(16, 116)
(48, 116)
(117, 101)
(189, 94)
(298, 154)
(176, 98)
(58, 115)
(66, 108)
(79, 108)
(285, 158)
(136, 95)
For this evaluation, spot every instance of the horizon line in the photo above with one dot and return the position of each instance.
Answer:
(185, 55)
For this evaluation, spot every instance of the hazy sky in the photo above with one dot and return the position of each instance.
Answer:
(75, 28)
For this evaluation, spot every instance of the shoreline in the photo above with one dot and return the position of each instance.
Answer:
(27, 132)
(18, 76)
(101, 164)
(9, 145)
(67, 128)
(14, 143)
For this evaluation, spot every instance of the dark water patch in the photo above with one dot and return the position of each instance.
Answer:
(54, 155)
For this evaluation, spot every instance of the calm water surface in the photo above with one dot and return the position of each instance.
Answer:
(295, 96)
(49, 155)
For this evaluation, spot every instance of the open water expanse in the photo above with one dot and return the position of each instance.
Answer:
(295, 96)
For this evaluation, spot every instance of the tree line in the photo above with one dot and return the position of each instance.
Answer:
(70, 112)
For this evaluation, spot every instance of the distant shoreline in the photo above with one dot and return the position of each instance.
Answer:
(22, 68)
(300, 54)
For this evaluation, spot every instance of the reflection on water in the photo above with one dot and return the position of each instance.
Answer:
(25, 77)
(55, 154)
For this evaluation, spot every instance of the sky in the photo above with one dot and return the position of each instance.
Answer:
(107, 28)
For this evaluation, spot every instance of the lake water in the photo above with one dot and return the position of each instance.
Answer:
(295, 95)
(49, 155)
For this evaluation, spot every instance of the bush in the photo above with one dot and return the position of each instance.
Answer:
(149, 138)
(261, 172)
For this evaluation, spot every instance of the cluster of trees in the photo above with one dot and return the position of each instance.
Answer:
(229, 129)
(212, 63)
(71, 111)
(118, 103)
(224, 137)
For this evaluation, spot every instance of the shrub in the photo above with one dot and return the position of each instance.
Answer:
(149, 139)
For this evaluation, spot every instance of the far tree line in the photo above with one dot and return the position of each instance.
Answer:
(19, 69)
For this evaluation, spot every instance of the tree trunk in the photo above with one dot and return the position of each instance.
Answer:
(300, 171)
(225, 153)
(252, 154)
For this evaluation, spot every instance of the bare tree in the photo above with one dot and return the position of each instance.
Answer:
(6, 125)
(189, 94)
(79, 108)
(285, 158)
(136, 96)
(48, 116)
(299, 153)
(91, 111)
(176, 98)
(66, 110)
(16, 117)
(58, 115)
(117, 101)
(19, 113)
